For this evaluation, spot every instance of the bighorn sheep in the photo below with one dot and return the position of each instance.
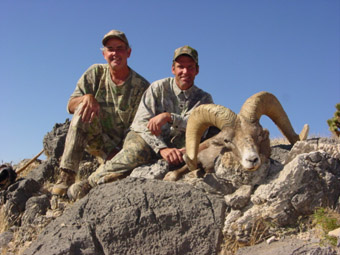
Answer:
(240, 134)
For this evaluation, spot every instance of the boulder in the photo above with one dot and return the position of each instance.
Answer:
(14, 200)
(137, 216)
(54, 140)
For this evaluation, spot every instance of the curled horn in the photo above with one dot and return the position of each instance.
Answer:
(200, 119)
(265, 103)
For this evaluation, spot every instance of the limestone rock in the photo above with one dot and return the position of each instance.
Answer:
(239, 198)
(307, 182)
(152, 171)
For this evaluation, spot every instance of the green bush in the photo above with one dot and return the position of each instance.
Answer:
(334, 123)
(327, 220)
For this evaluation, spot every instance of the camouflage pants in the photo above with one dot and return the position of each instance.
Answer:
(84, 136)
(135, 152)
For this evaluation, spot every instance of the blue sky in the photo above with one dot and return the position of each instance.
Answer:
(290, 48)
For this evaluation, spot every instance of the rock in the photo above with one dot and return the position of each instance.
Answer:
(137, 216)
(271, 239)
(54, 140)
(280, 152)
(35, 206)
(199, 214)
(330, 146)
(334, 233)
(152, 171)
(54, 143)
(5, 238)
(46, 171)
(287, 246)
(15, 197)
(218, 184)
(239, 198)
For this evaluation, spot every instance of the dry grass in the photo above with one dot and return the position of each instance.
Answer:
(15, 246)
(3, 222)
(22, 237)
(278, 141)
(259, 233)
(32, 166)
(282, 140)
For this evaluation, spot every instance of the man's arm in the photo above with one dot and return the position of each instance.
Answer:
(147, 110)
(84, 94)
(149, 125)
(89, 107)
(156, 123)
(173, 155)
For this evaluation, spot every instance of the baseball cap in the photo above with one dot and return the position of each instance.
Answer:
(115, 33)
(186, 50)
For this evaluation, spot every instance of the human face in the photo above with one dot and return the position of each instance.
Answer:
(116, 54)
(185, 70)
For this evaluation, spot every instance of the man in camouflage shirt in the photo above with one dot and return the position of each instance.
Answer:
(104, 104)
(158, 130)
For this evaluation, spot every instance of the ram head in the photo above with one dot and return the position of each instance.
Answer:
(241, 134)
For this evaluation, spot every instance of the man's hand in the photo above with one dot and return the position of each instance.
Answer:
(90, 108)
(173, 155)
(156, 123)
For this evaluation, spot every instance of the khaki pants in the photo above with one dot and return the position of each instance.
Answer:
(84, 136)
(135, 152)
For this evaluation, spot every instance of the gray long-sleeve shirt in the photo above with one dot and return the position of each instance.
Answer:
(165, 96)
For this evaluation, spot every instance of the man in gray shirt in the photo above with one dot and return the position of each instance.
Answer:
(158, 129)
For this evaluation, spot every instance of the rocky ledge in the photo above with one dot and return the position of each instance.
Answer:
(216, 213)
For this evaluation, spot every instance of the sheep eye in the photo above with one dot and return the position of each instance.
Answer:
(226, 140)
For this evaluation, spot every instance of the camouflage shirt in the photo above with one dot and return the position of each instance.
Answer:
(165, 96)
(118, 104)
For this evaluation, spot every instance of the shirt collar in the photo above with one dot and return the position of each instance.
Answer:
(186, 93)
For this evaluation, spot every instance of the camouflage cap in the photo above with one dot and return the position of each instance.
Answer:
(186, 50)
(115, 33)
